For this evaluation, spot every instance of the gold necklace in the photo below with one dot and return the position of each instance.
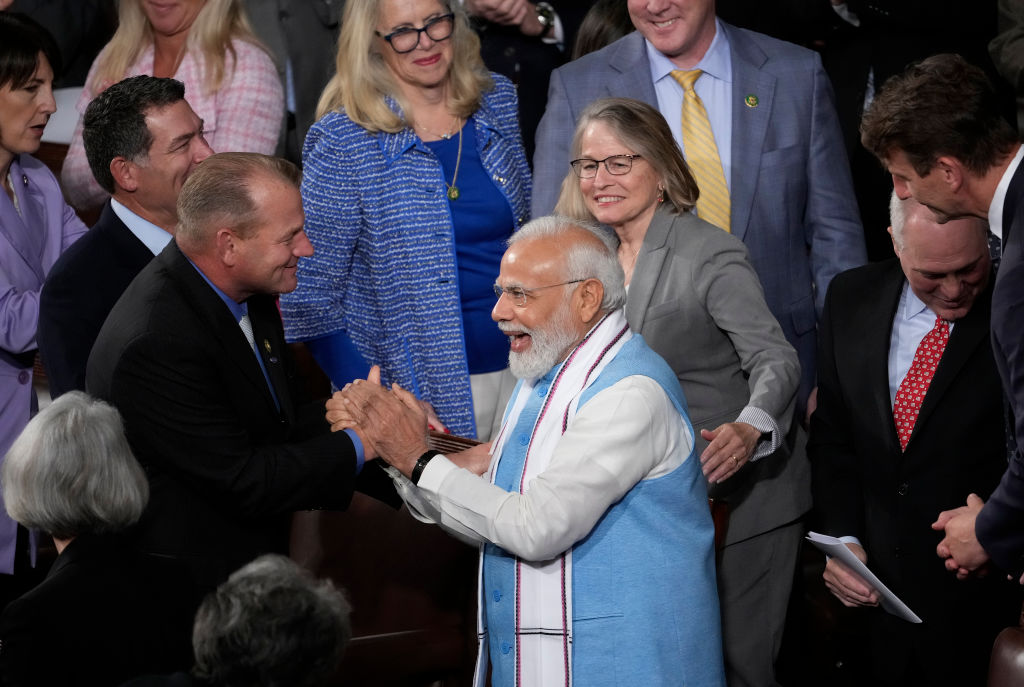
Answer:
(453, 190)
(451, 132)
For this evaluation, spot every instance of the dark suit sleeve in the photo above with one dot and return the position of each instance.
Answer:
(1000, 526)
(836, 479)
(182, 416)
(66, 331)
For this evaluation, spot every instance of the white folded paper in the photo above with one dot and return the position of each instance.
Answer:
(831, 546)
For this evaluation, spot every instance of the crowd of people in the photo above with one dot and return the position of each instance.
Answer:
(615, 248)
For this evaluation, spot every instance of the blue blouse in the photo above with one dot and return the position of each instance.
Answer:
(483, 221)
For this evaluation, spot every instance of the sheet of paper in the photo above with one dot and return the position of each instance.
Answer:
(831, 546)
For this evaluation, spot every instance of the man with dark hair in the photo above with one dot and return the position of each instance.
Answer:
(193, 355)
(142, 140)
(939, 131)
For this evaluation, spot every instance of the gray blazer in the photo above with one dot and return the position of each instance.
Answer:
(791, 193)
(697, 302)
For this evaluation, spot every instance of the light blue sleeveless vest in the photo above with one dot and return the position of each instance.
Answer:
(645, 604)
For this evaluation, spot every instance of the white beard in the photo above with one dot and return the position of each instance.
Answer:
(548, 346)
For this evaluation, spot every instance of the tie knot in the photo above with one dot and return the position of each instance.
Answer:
(686, 79)
(940, 324)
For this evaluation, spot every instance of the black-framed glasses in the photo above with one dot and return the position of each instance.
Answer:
(518, 294)
(405, 40)
(586, 168)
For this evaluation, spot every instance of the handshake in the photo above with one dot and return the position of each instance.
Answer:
(393, 424)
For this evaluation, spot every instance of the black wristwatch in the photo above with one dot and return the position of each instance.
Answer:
(421, 464)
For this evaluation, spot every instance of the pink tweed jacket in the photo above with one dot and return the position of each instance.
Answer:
(244, 115)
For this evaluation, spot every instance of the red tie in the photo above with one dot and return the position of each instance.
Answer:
(914, 386)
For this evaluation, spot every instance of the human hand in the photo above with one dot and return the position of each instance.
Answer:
(847, 586)
(340, 416)
(476, 459)
(812, 405)
(960, 547)
(730, 447)
(392, 421)
(507, 12)
(433, 421)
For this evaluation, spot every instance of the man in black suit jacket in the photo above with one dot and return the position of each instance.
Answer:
(193, 355)
(142, 140)
(939, 130)
(526, 41)
(884, 498)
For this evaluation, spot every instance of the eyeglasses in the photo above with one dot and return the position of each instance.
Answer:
(406, 40)
(518, 294)
(586, 168)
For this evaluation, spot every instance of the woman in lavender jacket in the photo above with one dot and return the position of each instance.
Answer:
(36, 226)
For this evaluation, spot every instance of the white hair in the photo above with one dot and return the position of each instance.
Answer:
(583, 260)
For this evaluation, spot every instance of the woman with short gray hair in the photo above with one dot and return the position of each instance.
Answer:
(108, 612)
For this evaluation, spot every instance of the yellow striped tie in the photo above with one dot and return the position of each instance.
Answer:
(702, 153)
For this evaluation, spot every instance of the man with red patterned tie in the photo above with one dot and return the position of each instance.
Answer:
(909, 422)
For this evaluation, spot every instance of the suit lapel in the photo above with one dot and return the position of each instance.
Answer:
(968, 333)
(220, 322)
(749, 124)
(266, 327)
(877, 336)
(648, 266)
(629, 60)
(24, 231)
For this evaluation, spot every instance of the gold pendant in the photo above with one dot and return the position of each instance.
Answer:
(453, 193)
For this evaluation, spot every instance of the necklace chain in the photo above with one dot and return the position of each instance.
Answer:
(453, 190)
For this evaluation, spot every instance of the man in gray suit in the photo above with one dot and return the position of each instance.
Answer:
(771, 112)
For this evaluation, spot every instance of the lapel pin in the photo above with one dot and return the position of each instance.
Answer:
(266, 346)
(751, 100)
(24, 179)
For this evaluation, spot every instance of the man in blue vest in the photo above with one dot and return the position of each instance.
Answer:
(591, 511)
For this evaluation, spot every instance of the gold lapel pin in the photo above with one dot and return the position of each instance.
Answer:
(266, 346)
(751, 100)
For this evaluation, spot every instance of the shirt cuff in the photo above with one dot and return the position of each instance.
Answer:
(357, 444)
(847, 15)
(435, 472)
(846, 540)
(761, 420)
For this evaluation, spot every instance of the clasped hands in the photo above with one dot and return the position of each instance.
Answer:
(392, 424)
(960, 547)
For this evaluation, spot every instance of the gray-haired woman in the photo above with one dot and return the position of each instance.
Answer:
(104, 613)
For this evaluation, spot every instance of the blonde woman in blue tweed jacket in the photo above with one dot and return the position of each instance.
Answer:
(414, 178)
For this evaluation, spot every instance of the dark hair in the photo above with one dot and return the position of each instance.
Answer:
(21, 41)
(114, 124)
(606, 22)
(940, 106)
(270, 625)
(218, 192)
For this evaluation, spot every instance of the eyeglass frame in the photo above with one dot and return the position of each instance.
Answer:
(628, 156)
(518, 294)
(450, 17)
